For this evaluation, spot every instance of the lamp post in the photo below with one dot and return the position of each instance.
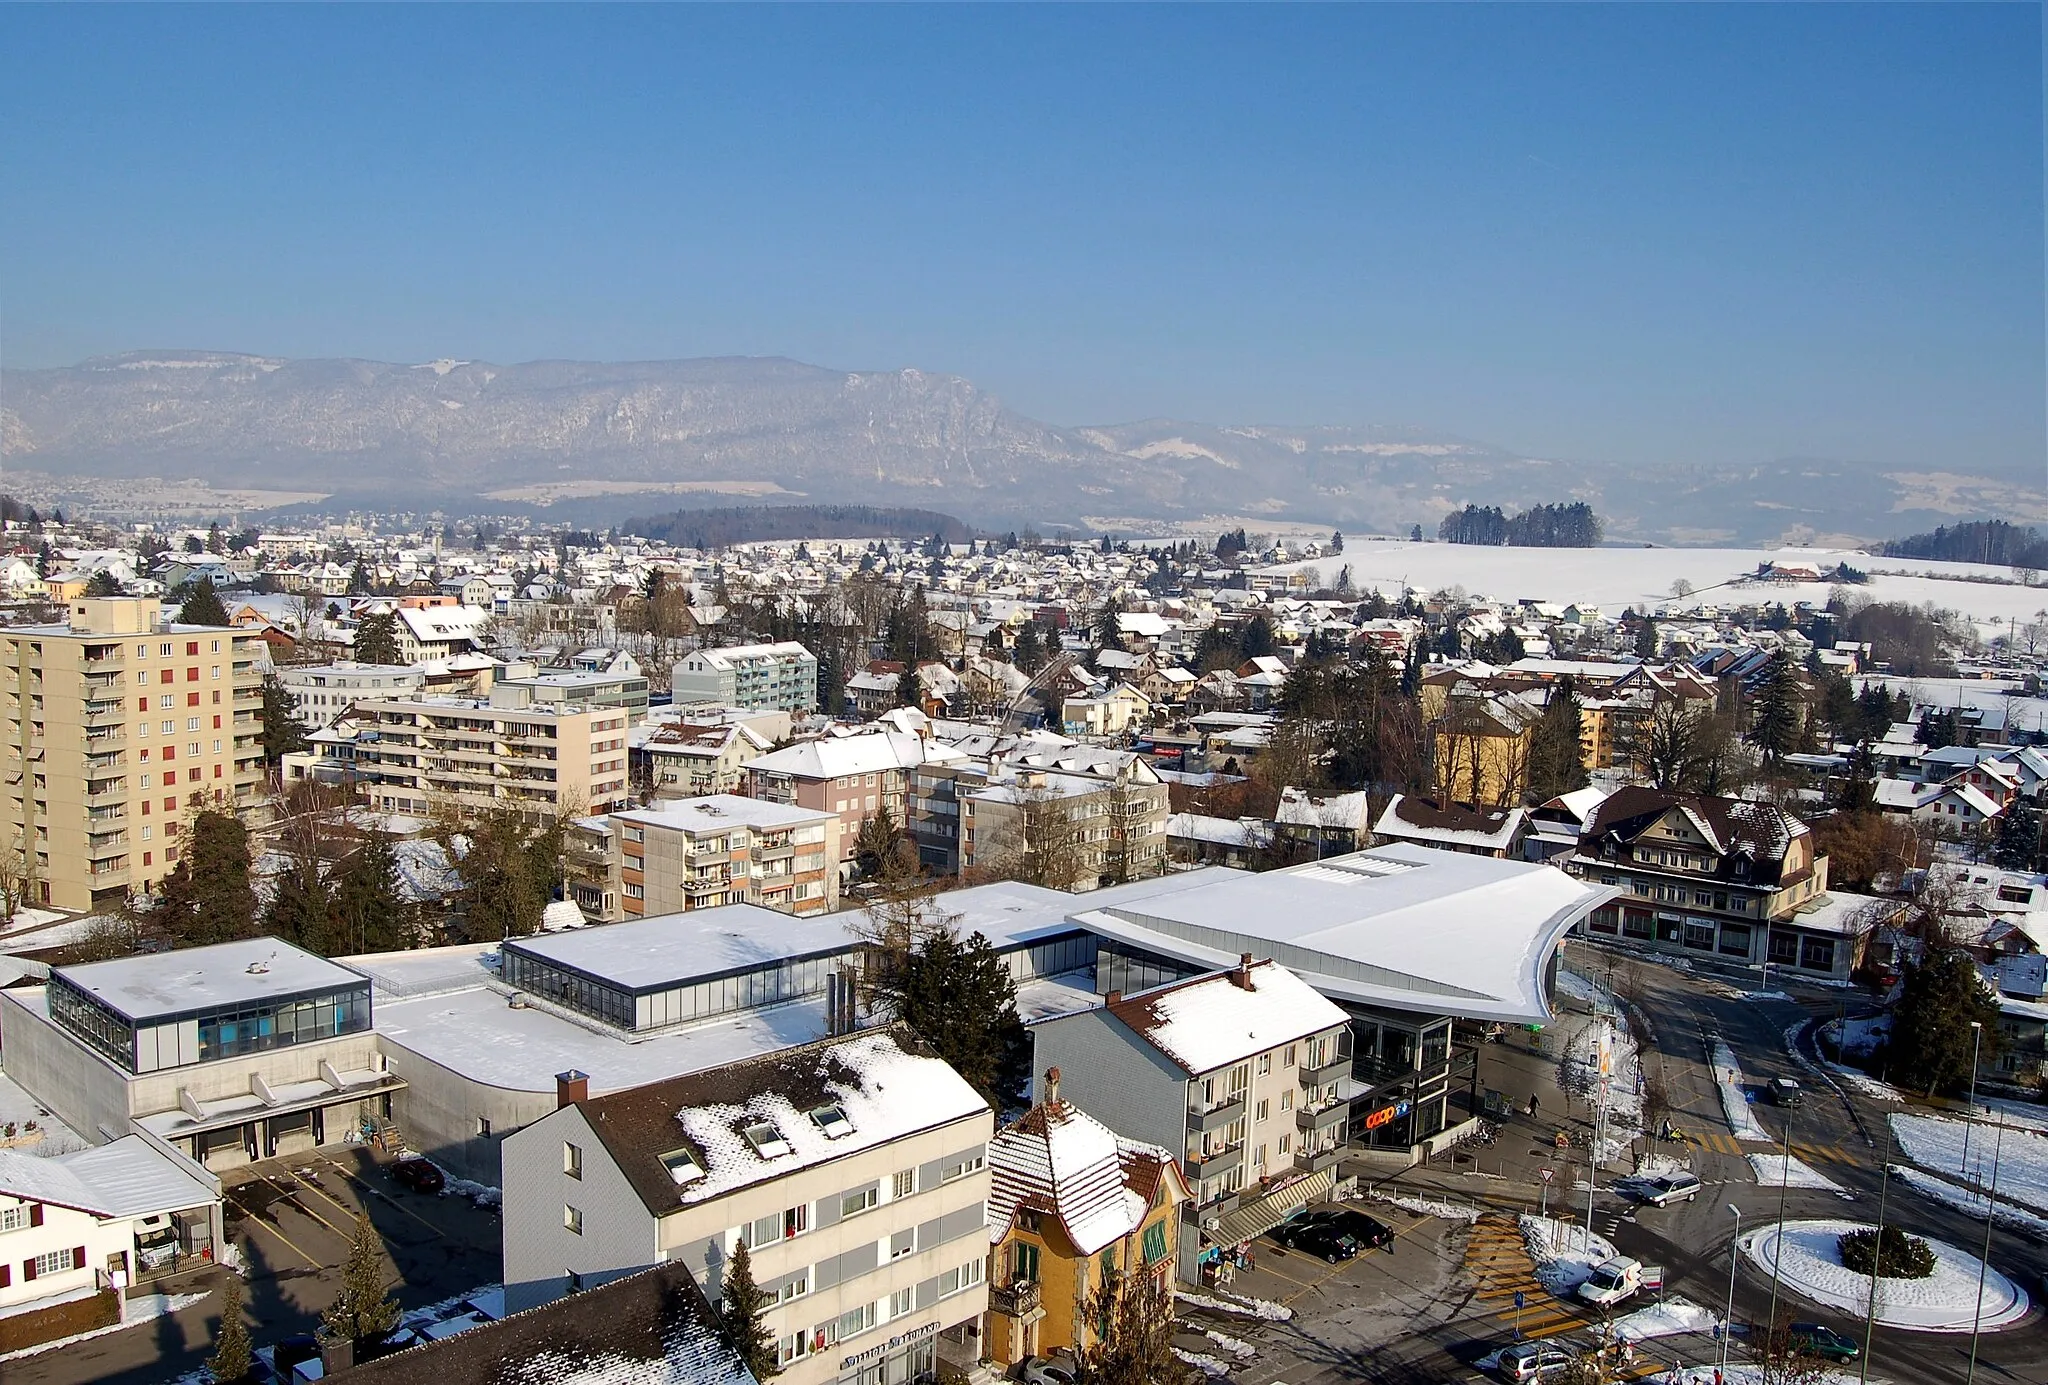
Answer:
(1870, 1315)
(1734, 1253)
(1778, 1245)
(1970, 1104)
(1984, 1260)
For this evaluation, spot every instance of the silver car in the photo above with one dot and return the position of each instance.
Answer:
(1533, 1360)
(1665, 1188)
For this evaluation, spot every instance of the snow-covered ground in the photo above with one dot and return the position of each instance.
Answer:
(1783, 1171)
(1971, 1202)
(1616, 578)
(1240, 1305)
(1809, 1265)
(1651, 1163)
(1430, 1207)
(1669, 1317)
(18, 1108)
(1741, 1375)
(143, 1308)
(1936, 1142)
(1563, 1251)
(1209, 1366)
(1734, 1101)
(1236, 1346)
(1624, 1085)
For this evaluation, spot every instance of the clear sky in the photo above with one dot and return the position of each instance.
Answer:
(1724, 233)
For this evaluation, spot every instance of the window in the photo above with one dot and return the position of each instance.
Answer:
(961, 1167)
(1287, 1098)
(572, 1219)
(483, 1127)
(682, 1166)
(832, 1120)
(793, 1347)
(1699, 934)
(1735, 939)
(858, 1201)
(1784, 947)
(1265, 1063)
(766, 1140)
(56, 1262)
(796, 1220)
(1817, 954)
(903, 1185)
(796, 1286)
(966, 1277)
(900, 1302)
(1262, 1110)
(1024, 1262)
(1286, 1143)
(902, 1243)
(13, 1218)
(765, 1231)
(1154, 1244)
(855, 1321)
(572, 1160)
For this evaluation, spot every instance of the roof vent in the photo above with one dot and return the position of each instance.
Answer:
(259, 968)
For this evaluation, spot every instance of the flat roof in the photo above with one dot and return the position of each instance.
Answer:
(1407, 927)
(225, 975)
(653, 954)
(477, 1033)
(711, 812)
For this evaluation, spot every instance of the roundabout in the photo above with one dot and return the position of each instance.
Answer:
(1810, 1266)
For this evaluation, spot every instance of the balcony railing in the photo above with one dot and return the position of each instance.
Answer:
(1217, 1162)
(1324, 1073)
(1316, 1161)
(1022, 1299)
(1203, 1120)
(1322, 1117)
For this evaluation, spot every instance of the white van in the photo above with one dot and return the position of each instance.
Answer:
(1612, 1281)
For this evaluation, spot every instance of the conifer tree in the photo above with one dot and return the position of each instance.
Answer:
(371, 910)
(1930, 1044)
(208, 898)
(956, 995)
(741, 1306)
(282, 733)
(233, 1354)
(1775, 727)
(377, 639)
(1556, 764)
(202, 604)
(363, 1309)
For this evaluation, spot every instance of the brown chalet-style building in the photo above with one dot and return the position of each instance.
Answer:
(1721, 877)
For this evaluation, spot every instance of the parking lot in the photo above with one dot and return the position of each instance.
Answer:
(294, 1219)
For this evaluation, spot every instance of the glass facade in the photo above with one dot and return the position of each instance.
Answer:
(170, 1041)
(660, 1006)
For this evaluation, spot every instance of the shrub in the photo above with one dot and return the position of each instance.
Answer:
(1894, 1254)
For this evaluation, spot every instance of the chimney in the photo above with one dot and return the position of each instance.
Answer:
(1241, 975)
(337, 1354)
(1113, 997)
(1052, 1086)
(571, 1087)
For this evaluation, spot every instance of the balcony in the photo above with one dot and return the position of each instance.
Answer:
(1323, 1117)
(1316, 1161)
(1325, 1073)
(1216, 1117)
(106, 794)
(102, 845)
(1215, 1164)
(1023, 1300)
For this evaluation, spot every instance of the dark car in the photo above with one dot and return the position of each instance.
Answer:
(420, 1175)
(1818, 1339)
(1316, 1238)
(1368, 1232)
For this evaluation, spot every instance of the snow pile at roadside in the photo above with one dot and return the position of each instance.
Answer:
(1810, 1265)
(1563, 1251)
(1781, 1171)
(1650, 1164)
(1741, 1375)
(1236, 1346)
(482, 1194)
(1972, 1203)
(1263, 1309)
(1936, 1142)
(1669, 1317)
(1207, 1365)
(1429, 1207)
(1734, 1102)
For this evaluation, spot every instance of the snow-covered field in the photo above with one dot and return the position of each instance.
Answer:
(1563, 1251)
(18, 1108)
(1734, 1102)
(1616, 578)
(1936, 1142)
(1945, 1301)
(1971, 1202)
(1783, 1171)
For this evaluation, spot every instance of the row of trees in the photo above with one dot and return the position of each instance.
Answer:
(1540, 526)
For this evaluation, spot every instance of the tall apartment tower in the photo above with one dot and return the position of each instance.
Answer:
(114, 728)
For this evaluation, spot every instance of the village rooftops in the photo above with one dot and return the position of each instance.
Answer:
(201, 980)
(1404, 926)
(764, 1118)
(866, 752)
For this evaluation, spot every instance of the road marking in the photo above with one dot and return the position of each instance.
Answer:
(251, 1215)
(388, 1199)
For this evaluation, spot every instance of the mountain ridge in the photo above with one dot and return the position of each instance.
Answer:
(362, 430)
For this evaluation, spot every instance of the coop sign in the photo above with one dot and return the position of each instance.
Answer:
(1385, 1114)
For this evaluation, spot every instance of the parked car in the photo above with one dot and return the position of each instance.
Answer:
(420, 1175)
(1533, 1360)
(1660, 1190)
(1818, 1339)
(1785, 1092)
(1612, 1281)
(1043, 1370)
(1315, 1236)
(1369, 1232)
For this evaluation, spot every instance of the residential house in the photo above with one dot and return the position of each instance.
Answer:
(854, 775)
(1495, 832)
(1311, 825)
(685, 759)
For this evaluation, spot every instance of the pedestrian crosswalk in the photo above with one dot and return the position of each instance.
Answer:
(1500, 1263)
(1806, 1152)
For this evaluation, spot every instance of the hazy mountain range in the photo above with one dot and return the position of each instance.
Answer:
(596, 440)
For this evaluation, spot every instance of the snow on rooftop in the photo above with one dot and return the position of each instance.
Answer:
(711, 812)
(1213, 1021)
(126, 1178)
(1061, 1155)
(206, 978)
(671, 949)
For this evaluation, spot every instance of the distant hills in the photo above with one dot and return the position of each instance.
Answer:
(596, 442)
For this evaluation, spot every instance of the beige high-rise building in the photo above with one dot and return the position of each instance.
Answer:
(118, 725)
(416, 754)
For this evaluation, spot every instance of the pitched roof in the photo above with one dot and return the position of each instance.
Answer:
(127, 1178)
(885, 1082)
(1209, 1022)
(1064, 1163)
(1419, 819)
(1728, 825)
(650, 1328)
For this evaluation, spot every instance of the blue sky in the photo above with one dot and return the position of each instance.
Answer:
(1717, 234)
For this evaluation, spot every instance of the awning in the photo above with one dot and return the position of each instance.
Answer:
(234, 1112)
(1257, 1218)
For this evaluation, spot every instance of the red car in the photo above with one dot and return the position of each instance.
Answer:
(420, 1175)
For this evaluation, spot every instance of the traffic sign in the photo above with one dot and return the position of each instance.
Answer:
(1521, 1299)
(1548, 1174)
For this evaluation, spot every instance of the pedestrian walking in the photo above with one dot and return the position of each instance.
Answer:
(1532, 1106)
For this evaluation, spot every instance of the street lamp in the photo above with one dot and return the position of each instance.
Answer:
(1984, 1260)
(1970, 1111)
(1734, 1252)
(1870, 1317)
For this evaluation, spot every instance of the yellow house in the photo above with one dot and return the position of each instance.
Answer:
(1071, 1204)
(1482, 749)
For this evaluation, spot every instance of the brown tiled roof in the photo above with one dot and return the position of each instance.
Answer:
(651, 1328)
(1449, 817)
(1735, 827)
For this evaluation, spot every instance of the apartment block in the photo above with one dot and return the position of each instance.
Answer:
(782, 675)
(852, 776)
(324, 691)
(697, 853)
(854, 1169)
(118, 725)
(412, 754)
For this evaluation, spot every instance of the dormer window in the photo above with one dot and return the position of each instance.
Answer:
(766, 1140)
(833, 1121)
(682, 1166)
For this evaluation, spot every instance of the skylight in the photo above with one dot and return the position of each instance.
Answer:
(682, 1166)
(833, 1121)
(766, 1140)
